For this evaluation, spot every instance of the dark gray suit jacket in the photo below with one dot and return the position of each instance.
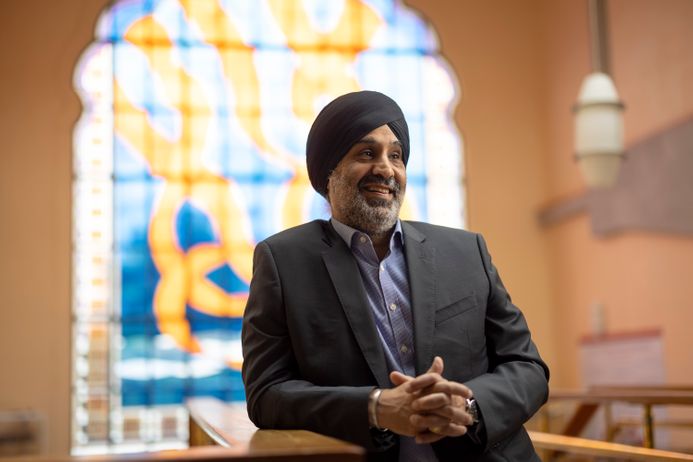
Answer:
(312, 353)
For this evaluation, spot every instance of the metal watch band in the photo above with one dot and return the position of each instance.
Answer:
(472, 409)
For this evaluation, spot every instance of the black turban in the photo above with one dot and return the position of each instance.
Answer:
(345, 121)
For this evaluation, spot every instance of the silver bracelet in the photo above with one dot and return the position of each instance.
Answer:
(373, 398)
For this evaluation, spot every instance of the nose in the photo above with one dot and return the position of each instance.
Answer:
(383, 167)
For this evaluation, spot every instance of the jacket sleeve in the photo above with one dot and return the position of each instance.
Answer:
(277, 397)
(516, 383)
(513, 385)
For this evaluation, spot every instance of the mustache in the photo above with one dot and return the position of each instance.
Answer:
(378, 179)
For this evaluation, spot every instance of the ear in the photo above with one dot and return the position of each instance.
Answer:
(327, 188)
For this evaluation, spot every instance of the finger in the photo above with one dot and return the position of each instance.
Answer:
(437, 433)
(423, 421)
(428, 402)
(452, 414)
(425, 380)
(397, 378)
(445, 386)
(454, 411)
(456, 429)
(451, 429)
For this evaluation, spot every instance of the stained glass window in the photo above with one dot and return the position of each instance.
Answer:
(189, 151)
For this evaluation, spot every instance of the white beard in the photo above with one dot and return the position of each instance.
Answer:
(375, 217)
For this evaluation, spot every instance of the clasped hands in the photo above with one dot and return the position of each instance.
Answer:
(427, 407)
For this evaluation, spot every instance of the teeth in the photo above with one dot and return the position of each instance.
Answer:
(378, 190)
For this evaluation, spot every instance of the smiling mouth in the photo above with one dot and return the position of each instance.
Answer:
(380, 190)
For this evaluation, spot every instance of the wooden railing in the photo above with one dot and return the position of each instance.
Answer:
(197, 454)
(646, 396)
(223, 432)
(552, 445)
(228, 425)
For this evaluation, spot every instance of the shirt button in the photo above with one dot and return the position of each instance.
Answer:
(393, 307)
(382, 267)
(404, 349)
(362, 239)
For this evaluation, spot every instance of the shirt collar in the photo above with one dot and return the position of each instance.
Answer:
(348, 234)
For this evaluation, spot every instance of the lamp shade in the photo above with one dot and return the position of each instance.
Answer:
(599, 130)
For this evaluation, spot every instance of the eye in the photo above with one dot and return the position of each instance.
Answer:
(367, 153)
(396, 155)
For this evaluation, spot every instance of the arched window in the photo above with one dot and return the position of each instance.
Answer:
(190, 150)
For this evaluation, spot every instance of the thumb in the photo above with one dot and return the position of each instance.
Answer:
(436, 365)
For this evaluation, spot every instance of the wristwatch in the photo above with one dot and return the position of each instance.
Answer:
(472, 409)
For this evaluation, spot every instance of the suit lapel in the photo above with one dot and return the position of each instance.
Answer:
(346, 278)
(420, 256)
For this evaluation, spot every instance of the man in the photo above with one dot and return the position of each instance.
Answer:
(398, 336)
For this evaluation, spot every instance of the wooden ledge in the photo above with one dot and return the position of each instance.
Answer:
(227, 424)
(594, 448)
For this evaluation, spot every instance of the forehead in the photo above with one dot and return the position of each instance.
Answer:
(380, 135)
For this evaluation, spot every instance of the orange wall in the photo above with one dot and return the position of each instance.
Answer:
(497, 48)
(40, 42)
(642, 279)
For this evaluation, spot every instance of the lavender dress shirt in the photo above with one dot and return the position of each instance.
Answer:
(387, 290)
